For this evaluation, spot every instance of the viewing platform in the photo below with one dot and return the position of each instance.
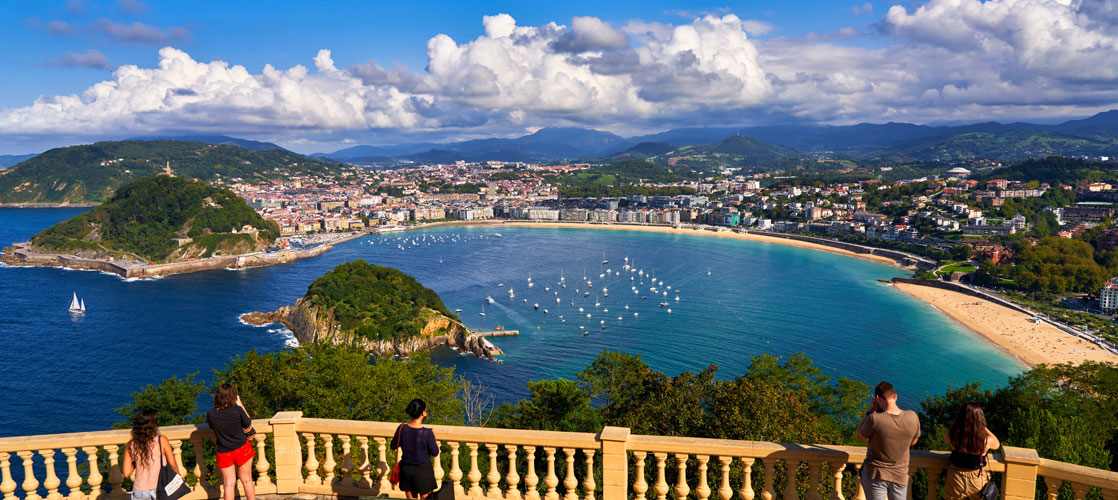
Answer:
(311, 457)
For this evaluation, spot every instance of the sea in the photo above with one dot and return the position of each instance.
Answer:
(736, 299)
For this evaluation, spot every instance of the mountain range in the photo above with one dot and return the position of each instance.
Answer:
(1097, 135)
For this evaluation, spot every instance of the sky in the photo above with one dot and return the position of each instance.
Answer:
(317, 77)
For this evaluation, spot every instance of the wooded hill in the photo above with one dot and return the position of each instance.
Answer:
(91, 173)
(144, 219)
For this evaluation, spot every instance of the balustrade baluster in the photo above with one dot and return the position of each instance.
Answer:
(746, 492)
(176, 452)
(200, 469)
(366, 465)
(836, 493)
(455, 470)
(51, 483)
(262, 465)
(681, 487)
(725, 492)
(94, 479)
(475, 473)
(791, 467)
(933, 482)
(30, 484)
(329, 464)
(703, 490)
(640, 487)
(115, 475)
(588, 482)
(1080, 490)
(661, 486)
(7, 484)
(438, 465)
(311, 464)
(347, 462)
(551, 480)
(512, 478)
(859, 493)
(767, 491)
(382, 465)
(1110, 494)
(1053, 487)
(73, 479)
(911, 479)
(531, 480)
(570, 483)
(494, 475)
(813, 480)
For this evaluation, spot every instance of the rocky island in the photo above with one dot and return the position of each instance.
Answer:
(157, 226)
(379, 308)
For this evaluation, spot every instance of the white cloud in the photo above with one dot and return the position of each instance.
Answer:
(866, 8)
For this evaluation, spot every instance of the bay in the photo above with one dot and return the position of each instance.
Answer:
(60, 374)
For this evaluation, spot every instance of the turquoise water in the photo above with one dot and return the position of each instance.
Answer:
(757, 298)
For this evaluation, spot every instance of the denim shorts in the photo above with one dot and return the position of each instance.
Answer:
(143, 494)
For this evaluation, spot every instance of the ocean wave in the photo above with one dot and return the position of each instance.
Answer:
(289, 339)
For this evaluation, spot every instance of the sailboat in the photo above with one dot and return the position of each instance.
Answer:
(76, 306)
(482, 313)
(604, 261)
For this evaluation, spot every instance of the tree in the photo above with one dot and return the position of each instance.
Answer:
(961, 252)
(554, 405)
(174, 401)
(617, 382)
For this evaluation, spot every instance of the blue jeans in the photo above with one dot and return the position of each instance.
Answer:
(143, 494)
(880, 489)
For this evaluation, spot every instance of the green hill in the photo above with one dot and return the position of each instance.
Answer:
(734, 152)
(376, 302)
(144, 219)
(1016, 144)
(91, 173)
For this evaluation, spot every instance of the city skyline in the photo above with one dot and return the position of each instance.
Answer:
(323, 80)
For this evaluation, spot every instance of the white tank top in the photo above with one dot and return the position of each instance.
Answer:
(147, 474)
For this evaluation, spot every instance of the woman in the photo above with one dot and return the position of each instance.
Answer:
(969, 440)
(232, 426)
(143, 455)
(417, 473)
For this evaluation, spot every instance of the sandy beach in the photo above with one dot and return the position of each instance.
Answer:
(705, 232)
(1032, 343)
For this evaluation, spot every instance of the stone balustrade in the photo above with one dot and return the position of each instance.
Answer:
(343, 458)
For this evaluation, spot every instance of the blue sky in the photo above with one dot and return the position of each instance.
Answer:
(77, 71)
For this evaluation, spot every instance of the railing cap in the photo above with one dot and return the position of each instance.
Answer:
(285, 417)
(614, 434)
(1015, 455)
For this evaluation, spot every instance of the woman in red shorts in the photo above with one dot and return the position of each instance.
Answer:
(232, 426)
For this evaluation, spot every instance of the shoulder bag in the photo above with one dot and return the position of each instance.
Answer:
(394, 476)
(170, 485)
(989, 491)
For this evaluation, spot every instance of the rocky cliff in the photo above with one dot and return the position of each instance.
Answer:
(311, 323)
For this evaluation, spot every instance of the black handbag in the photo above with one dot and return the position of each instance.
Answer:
(446, 492)
(170, 485)
(989, 491)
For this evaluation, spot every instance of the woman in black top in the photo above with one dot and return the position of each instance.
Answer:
(969, 440)
(232, 426)
(417, 473)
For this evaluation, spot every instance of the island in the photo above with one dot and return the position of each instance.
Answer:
(381, 309)
(158, 226)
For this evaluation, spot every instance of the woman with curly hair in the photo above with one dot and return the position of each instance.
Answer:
(145, 454)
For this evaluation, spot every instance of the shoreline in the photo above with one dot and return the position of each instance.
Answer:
(1008, 330)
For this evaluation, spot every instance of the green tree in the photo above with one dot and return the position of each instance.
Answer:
(174, 401)
(554, 405)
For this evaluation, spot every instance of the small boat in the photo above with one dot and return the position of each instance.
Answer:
(501, 285)
(636, 314)
(669, 310)
(585, 294)
(663, 304)
(580, 309)
(556, 300)
(536, 305)
(545, 310)
(604, 261)
(587, 315)
(677, 298)
(525, 301)
(499, 235)
(626, 307)
(76, 306)
(619, 318)
(489, 299)
(482, 313)
(457, 310)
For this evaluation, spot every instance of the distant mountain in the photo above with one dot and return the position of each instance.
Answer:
(735, 151)
(91, 173)
(9, 160)
(645, 150)
(1010, 145)
(217, 139)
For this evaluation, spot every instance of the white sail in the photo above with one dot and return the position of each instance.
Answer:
(76, 306)
(83, 305)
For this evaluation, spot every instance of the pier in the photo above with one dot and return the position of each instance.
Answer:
(499, 333)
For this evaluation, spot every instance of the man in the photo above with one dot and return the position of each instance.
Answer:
(890, 432)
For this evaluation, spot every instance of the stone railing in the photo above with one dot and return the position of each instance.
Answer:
(343, 458)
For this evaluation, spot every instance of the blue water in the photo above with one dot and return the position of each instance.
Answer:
(64, 375)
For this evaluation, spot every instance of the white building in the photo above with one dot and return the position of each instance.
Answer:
(1108, 296)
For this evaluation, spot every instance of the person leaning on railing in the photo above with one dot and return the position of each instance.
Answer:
(232, 427)
(970, 441)
(417, 473)
(143, 455)
(890, 431)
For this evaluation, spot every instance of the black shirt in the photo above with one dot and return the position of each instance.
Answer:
(228, 425)
(419, 444)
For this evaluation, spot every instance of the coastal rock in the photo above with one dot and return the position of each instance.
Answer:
(310, 323)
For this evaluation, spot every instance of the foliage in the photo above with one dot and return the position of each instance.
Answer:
(342, 382)
(145, 217)
(92, 172)
(735, 152)
(1057, 265)
(1055, 170)
(600, 191)
(554, 405)
(175, 401)
(376, 302)
(1013, 144)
